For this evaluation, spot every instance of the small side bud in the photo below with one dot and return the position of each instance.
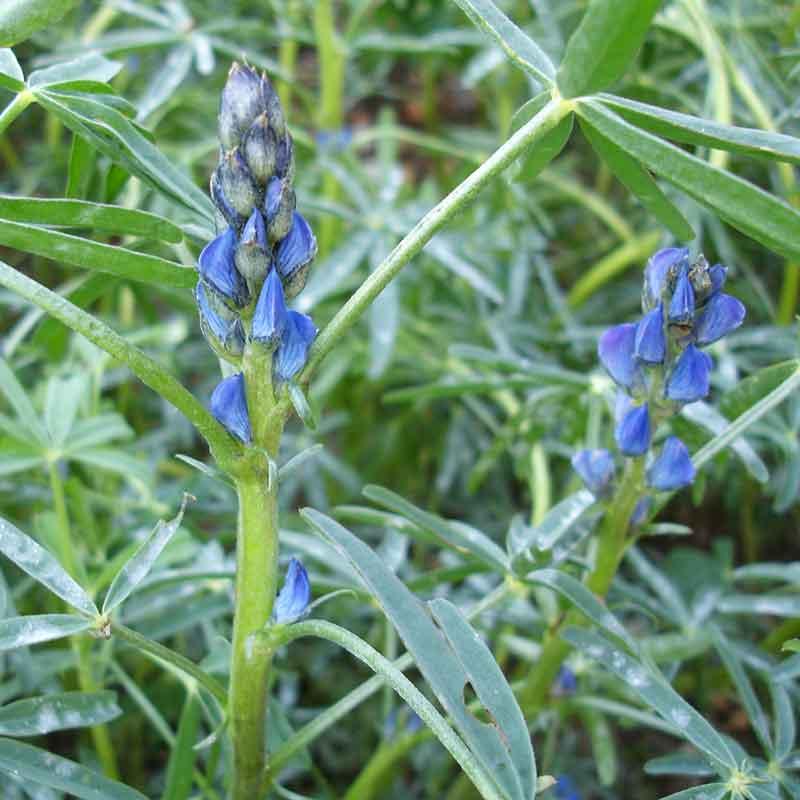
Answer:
(279, 205)
(252, 253)
(284, 159)
(271, 315)
(633, 431)
(292, 600)
(596, 468)
(241, 102)
(260, 149)
(229, 407)
(237, 184)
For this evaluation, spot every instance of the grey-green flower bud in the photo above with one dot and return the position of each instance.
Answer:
(236, 184)
(260, 149)
(284, 159)
(252, 253)
(243, 99)
(279, 204)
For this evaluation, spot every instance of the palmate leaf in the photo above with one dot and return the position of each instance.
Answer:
(743, 205)
(438, 663)
(605, 42)
(20, 18)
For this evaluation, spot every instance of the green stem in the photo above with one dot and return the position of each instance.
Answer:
(223, 447)
(357, 647)
(167, 656)
(432, 222)
(287, 56)
(100, 734)
(611, 548)
(377, 772)
(15, 108)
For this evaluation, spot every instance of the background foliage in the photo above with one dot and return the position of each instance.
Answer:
(465, 391)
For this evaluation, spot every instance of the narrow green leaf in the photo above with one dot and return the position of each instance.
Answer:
(297, 461)
(141, 562)
(90, 67)
(47, 769)
(604, 44)
(666, 591)
(11, 75)
(115, 136)
(18, 632)
(87, 254)
(36, 716)
(638, 181)
(680, 764)
(516, 44)
(583, 599)
(42, 566)
(20, 18)
(708, 417)
(62, 398)
(776, 605)
(81, 168)
(749, 209)
(531, 163)
(654, 690)
(18, 399)
(301, 406)
(706, 132)
(82, 214)
(755, 387)
(604, 749)
(491, 688)
(557, 523)
(183, 755)
(458, 536)
(708, 791)
(435, 659)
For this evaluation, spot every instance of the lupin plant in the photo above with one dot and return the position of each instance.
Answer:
(578, 638)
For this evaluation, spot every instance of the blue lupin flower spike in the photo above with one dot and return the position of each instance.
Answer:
(292, 600)
(566, 789)
(271, 315)
(657, 271)
(217, 266)
(596, 468)
(616, 349)
(722, 314)
(633, 431)
(292, 351)
(673, 469)
(229, 407)
(650, 343)
(681, 306)
(689, 380)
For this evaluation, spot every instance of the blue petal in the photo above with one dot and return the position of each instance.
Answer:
(689, 380)
(633, 431)
(722, 314)
(717, 275)
(216, 265)
(297, 336)
(596, 468)
(271, 314)
(650, 343)
(681, 306)
(225, 331)
(229, 407)
(297, 249)
(673, 469)
(566, 789)
(657, 271)
(292, 600)
(615, 349)
(565, 682)
(255, 232)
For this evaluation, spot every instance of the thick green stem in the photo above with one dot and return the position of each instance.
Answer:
(611, 549)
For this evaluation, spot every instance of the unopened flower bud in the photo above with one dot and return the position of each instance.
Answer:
(689, 379)
(657, 272)
(243, 99)
(271, 314)
(596, 468)
(650, 344)
(252, 253)
(279, 204)
(237, 183)
(221, 327)
(294, 254)
(616, 351)
(292, 351)
(229, 407)
(292, 600)
(682, 302)
(260, 149)
(218, 270)
(673, 469)
(284, 159)
(633, 431)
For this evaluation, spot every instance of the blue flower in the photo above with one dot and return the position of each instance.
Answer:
(673, 469)
(218, 268)
(271, 315)
(566, 789)
(565, 682)
(222, 329)
(722, 314)
(682, 303)
(229, 407)
(292, 351)
(633, 431)
(650, 344)
(294, 253)
(657, 271)
(616, 349)
(596, 468)
(689, 380)
(292, 600)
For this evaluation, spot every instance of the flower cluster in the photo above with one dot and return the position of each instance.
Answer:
(659, 365)
(263, 254)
